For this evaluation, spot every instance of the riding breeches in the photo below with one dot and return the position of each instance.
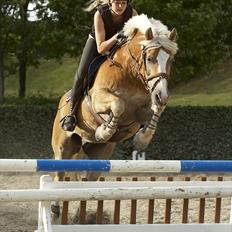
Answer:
(89, 53)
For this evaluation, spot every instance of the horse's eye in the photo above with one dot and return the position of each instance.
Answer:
(151, 59)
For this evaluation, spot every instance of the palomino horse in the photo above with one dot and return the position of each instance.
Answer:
(127, 98)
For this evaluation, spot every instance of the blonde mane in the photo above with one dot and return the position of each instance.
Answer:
(159, 30)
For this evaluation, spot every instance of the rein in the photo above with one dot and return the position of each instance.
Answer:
(110, 55)
(137, 67)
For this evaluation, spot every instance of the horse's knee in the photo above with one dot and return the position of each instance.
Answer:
(118, 107)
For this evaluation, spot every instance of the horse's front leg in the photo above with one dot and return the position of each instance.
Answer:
(65, 146)
(144, 135)
(107, 102)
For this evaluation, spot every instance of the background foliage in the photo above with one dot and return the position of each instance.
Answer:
(183, 133)
(62, 26)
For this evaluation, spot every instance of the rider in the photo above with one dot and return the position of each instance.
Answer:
(109, 19)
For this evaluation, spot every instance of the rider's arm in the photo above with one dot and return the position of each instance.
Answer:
(102, 44)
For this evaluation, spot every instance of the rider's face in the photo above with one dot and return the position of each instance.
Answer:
(118, 6)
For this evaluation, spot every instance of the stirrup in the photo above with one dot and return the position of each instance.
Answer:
(68, 123)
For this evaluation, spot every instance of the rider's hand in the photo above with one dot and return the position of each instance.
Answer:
(120, 35)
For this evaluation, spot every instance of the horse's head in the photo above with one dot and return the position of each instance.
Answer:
(154, 49)
(157, 56)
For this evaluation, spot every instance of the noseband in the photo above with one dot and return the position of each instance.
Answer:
(159, 77)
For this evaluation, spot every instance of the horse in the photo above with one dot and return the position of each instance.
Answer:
(128, 95)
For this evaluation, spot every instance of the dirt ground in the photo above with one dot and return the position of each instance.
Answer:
(22, 217)
(18, 217)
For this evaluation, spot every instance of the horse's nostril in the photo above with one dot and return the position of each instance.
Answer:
(158, 98)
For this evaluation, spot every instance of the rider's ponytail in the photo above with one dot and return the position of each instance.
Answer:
(93, 4)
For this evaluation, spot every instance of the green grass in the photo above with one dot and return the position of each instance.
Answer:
(214, 89)
(52, 79)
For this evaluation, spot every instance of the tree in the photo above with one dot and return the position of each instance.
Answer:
(1, 73)
(54, 33)
(13, 40)
(203, 28)
(23, 45)
(67, 27)
(7, 40)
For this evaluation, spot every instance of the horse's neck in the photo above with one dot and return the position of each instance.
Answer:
(132, 62)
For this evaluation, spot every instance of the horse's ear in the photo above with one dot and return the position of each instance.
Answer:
(134, 33)
(173, 35)
(149, 34)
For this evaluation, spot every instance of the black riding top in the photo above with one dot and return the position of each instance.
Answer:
(111, 28)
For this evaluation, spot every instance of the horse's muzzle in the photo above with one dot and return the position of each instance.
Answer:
(161, 99)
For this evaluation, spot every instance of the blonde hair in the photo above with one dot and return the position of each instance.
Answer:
(93, 4)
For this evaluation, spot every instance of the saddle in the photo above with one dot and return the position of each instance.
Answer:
(92, 70)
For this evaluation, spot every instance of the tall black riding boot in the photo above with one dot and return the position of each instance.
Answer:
(69, 121)
(88, 55)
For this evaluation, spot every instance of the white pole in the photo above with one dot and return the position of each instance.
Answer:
(145, 166)
(46, 217)
(115, 193)
(18, 165)
(231, 212)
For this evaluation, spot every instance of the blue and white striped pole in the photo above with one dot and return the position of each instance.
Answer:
(155, 166)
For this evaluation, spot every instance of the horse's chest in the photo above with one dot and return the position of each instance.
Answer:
(136, 100)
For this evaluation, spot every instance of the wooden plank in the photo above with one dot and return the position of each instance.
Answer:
(82, 212)
(201, 218)
(151, 205)
(117, 206)
(99, 215)
(167, 218)
(218, 202)
(64, 215)
(185, 206)
(133, 207)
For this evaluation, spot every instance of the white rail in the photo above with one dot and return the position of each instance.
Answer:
(145, 228)
(124, 190)
(119, 191)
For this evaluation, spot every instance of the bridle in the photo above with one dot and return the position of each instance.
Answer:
(145, 81)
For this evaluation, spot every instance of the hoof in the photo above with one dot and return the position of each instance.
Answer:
(56, 211)
(99, 138)
(141, 140)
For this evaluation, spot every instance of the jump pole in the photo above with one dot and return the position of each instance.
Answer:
(114, 166)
